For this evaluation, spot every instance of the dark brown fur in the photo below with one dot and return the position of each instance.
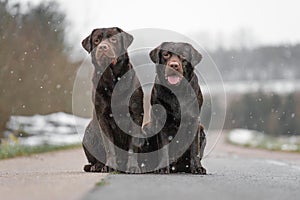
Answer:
(183, 58)
(108, 47)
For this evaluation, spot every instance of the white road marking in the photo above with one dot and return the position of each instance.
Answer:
(280, 163)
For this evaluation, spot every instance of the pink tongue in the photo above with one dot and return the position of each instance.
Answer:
(173, 79)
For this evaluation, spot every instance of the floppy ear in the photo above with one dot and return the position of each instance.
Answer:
(154, 54)
(87, 43)
(126, 37)
(196, 57)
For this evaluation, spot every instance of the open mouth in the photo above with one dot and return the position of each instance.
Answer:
(174, 78)
(173, 72)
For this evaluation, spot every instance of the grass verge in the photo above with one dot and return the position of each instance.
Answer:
(10, 150)
(102, 182)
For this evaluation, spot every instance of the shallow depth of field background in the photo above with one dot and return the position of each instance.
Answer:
(256, 46)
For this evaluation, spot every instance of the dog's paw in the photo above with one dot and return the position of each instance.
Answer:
(111, 163)
(133, 166)
(134, 170)
(198, 170)
(87, 168)
(165, 170)
(107, 169)
(97, 167)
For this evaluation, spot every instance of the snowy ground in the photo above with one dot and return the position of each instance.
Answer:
(253, 138)
(53, 129)
(65, 129)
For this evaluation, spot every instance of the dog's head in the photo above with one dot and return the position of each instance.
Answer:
(107, 44)
(175, 61)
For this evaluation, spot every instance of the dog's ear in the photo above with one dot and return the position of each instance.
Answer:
(126, 37)
(87, 42)
(154, 54)
(196, 57)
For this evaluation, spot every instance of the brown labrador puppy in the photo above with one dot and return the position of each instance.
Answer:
(175, 62)
(108, 49)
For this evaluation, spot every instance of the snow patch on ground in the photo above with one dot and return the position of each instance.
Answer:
(251, 138)
(53, 129)
(245, 137)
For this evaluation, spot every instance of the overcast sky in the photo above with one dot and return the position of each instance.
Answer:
(213, 21)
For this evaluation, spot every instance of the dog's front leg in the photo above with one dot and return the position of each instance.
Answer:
(163, 155)
(135, 144)
(93, 147)
(197, 150)
(111, 161)
(132, 163)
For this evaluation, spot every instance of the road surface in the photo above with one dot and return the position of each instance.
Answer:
(230, 178)
(234, 173)
(48, 176)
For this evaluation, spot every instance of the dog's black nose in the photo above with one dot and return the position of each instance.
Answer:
(174, 65)
(103, 47)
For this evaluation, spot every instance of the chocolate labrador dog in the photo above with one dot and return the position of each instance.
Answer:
(175, 64)
(108, 49)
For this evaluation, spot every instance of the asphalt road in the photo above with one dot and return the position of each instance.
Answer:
(55, 175)
(230, 177)
(234, 173)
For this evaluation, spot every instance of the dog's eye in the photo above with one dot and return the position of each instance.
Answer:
(166, 55)
(113, 39)
(97, 41)
(183, 57)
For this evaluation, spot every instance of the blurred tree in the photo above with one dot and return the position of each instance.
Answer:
(36, 75)
(270, 113)
(261, 63)
(288, 118)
